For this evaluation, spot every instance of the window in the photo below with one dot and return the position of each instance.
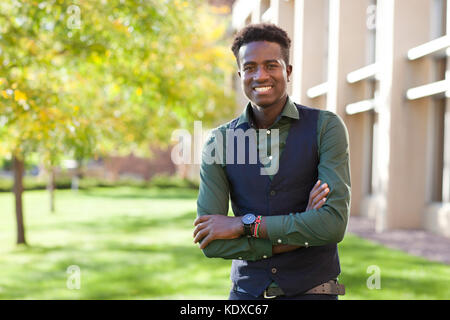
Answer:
(326, 39)
(371, 25)
(438, 19)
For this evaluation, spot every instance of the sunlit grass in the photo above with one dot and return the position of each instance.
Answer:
(402, 276)
(133, 243)
(129, 244)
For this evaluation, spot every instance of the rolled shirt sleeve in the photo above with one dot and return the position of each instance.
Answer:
(329, 223)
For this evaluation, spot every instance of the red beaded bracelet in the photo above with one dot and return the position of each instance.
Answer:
(256, 229)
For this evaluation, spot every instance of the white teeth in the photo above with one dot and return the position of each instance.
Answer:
(262, 89)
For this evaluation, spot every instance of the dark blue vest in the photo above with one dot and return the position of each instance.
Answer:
(288, 192)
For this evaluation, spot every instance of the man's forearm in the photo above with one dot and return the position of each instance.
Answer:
(231, 243)
(276, 249)
(282, 248)
(309, 228)
(243, 248)
(279, 248)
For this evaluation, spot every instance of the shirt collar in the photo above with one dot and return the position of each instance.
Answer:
(289, 111)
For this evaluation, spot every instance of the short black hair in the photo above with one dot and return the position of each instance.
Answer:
(262, 32)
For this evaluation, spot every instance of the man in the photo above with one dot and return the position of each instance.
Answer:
(283, 238)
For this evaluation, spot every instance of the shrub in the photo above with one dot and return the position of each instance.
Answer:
(159, 181)
(166, 181)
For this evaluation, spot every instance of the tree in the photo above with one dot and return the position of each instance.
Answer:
(84, 78)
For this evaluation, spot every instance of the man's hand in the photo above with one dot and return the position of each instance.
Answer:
(317, 196)
(316, 201)
(213, 227)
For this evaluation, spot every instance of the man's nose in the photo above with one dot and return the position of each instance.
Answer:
(260, 74)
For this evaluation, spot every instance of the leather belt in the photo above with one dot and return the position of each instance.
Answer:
(331, 287)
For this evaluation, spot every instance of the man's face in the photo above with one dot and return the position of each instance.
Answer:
(263, 72)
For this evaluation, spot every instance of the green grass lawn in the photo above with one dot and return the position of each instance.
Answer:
(132, 243)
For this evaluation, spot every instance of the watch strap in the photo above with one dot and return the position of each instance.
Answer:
(248, 229)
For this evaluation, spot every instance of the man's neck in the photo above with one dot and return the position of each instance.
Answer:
(265, 117)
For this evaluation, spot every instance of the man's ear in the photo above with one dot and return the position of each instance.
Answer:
(289, 71)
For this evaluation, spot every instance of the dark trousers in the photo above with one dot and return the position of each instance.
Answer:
(235, 295)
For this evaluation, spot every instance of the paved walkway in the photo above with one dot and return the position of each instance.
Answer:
(415, 242)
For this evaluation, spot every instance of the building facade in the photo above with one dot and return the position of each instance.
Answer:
(384, 67)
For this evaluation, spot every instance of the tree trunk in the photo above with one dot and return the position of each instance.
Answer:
(76, 177)
(18, 167)
(75, 183)
(51, 188)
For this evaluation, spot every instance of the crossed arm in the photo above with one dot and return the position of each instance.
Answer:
(221, 236)
(212, 227)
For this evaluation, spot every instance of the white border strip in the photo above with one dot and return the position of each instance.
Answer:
(318, 90)
(433, 46)
(428, 90)
(360, 106)
(366, 72)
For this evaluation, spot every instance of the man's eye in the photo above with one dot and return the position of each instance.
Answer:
(272, 66)
(248, 68)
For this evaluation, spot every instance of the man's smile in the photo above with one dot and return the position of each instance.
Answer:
(262, 89)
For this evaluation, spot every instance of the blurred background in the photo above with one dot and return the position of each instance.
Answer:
(92, 205)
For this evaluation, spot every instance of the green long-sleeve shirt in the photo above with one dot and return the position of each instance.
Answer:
(310, 228)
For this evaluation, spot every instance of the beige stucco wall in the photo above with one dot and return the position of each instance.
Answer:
(347, 30)
(408, 119)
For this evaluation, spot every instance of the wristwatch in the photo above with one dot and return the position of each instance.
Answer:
(248, 220)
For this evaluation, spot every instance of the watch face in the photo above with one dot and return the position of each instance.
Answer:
(249, 218)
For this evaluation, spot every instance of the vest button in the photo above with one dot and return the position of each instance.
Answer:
(273, 192)
(274, 270)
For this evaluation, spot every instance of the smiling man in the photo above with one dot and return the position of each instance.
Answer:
(286, 226)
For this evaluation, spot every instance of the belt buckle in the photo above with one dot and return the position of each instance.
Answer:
(268, 297)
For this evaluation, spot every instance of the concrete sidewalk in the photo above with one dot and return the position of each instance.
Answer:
(414, 242)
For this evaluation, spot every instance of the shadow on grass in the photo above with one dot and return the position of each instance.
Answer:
(112, 251)
(117, 263)
(118, 270)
